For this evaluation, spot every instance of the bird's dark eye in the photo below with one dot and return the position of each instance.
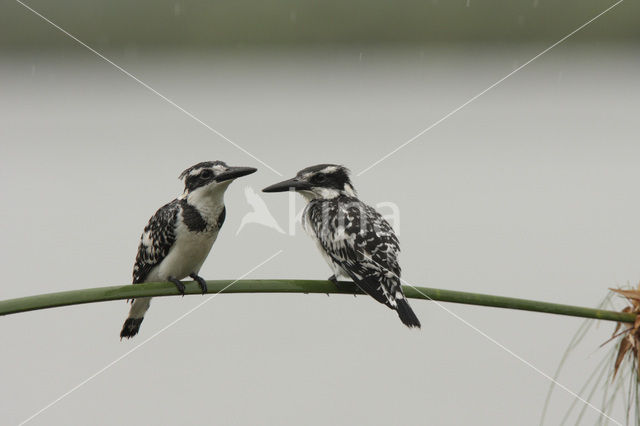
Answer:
(206, 174)
(321, 178)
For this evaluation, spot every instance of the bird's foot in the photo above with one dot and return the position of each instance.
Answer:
(334, 280)
(347, 287)
(201, 282)
(178, 284)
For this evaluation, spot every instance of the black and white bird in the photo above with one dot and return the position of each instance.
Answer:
(179, 236)
(356, 241)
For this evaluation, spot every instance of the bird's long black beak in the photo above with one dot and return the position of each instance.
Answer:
(235, 172)
(295, 184)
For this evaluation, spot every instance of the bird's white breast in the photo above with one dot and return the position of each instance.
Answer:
(308, 227)
(191, 248)
(186, 256)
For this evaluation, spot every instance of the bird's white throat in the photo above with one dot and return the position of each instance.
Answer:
(209, 199)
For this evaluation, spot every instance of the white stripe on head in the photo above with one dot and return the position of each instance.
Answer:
(348, 189)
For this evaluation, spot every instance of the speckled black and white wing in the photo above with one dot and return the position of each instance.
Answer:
(362, 244)
(157, 239)
(358, 240)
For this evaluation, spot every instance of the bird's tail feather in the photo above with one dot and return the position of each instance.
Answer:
(130, 327)
(136, 314)
(406, 314)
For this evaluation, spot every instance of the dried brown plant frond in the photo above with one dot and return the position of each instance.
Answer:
(629, 336)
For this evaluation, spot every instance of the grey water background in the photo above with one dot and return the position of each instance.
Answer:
(530, 191)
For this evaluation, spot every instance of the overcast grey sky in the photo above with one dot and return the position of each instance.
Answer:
(530, 191)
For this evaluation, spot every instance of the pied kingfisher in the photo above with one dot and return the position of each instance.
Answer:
(178, 238)
(354, 239)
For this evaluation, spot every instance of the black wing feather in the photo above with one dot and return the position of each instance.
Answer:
(156, 240)
(359, 240)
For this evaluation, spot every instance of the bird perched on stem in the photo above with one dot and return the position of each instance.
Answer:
(354, 238)
(179, 236)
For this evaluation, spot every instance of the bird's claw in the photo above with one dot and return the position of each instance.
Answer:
(343, 285)
(201, 282)
(178, 285)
